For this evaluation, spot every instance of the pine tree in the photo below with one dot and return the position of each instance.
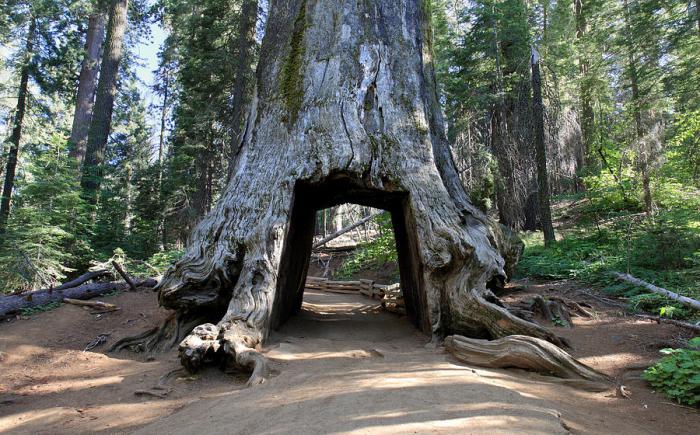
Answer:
(98, 133)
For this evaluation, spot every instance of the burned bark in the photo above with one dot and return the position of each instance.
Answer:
(345, 111)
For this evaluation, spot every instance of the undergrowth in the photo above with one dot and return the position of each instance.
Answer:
(373, 255)
(600, 233)
(678, 374)
(40, 309)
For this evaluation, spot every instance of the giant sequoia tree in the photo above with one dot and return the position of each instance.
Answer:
(345, 110)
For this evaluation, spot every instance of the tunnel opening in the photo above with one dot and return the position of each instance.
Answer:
(338, 189)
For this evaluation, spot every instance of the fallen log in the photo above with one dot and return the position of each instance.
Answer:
(342, 231)
(688, 302)
(679, 323)
(91, 304)
(524, 352)
(82, 279)
(15, 303)
(124, 275)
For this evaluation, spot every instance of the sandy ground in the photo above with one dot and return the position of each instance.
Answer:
(341, 366)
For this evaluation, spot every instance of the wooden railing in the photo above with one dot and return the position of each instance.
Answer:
(390, 295)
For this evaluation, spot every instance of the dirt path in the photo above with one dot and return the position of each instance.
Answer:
(343, 366)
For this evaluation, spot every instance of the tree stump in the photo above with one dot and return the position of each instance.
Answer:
(345, 110)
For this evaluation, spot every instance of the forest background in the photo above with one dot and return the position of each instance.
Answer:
(103, 158)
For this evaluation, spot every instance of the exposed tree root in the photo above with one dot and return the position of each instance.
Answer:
(499, 322)
(527, 353)
(552, 310)
(232, 342)
(158, 339)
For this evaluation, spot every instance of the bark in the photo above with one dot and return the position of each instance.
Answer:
(15, 303)
(245, 43)
(345, 111)
(541, 152)
(104, 101)
(87, 84)
(82, 279)
(162, 233)
(633, 73)
(124, 275)
(585, 91)
(525, 353)
(18, 123)
(688, 302)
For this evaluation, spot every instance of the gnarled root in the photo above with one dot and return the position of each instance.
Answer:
(527, 353)
(554, 311)
(159, 339)
(232, 342)
(485, 310)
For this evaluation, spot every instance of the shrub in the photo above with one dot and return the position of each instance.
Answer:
(678, 374)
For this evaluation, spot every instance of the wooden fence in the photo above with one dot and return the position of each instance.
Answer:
(390, 295)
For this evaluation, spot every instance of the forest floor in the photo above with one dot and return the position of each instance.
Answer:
(342, 365)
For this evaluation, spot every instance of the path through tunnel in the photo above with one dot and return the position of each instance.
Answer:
(340, 189)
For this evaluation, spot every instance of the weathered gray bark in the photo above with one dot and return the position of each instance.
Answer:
(541, 151)
(18, 123)
(104, 101)
(87, 84)
(525, 353)
(345, 111)
(245, 44)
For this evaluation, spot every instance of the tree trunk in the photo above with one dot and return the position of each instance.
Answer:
(87, 84)
(162, 233)
(345, 110)
(587, 115)
(16, 137)
(541, 152)
(104, 101)
(697, 14)
(245, 42)
(633, 73)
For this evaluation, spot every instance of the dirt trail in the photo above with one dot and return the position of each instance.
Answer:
(344, 366)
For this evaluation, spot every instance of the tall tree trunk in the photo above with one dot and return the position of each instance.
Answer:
(697, 14)
(162, 233)
(585, 91)
(346, 110)
(541, 151)
(104, 103)
(16, 137)
(633, 72)
(87, 84)
(245, 43)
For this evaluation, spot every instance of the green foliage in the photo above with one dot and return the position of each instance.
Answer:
(609, 234)
(678, 374)
(373, 255)
(40, 309)
(45, 240)
(291, 73)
